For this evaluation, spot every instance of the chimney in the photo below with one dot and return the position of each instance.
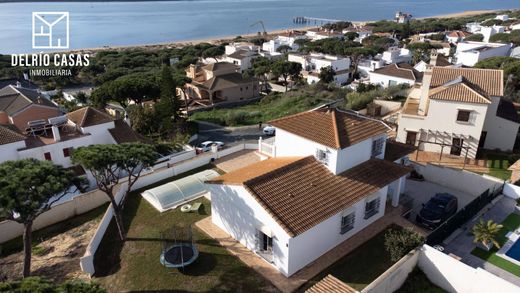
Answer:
(192, 71)
(433, 59)
(425, 89)
(4, 118)
(56, 133)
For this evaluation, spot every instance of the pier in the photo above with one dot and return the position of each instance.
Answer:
(315, 20)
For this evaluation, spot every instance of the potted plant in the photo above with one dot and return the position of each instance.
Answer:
(485, 233)
(517, 207)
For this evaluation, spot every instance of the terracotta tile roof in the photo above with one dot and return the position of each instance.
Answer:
(89, 116)
(8, 134)
(515, 166)
(460, 92)
(13, 99)
(220, 66)
(330, 284)
(488, 81)
(290, 193)
(331, 127)
(395, 150)
(238, 177)
(459, 34)
(226, 81)
(401, 70)
(123, 133)
(507, 110)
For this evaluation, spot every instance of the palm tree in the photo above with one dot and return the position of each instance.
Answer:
(485, 233)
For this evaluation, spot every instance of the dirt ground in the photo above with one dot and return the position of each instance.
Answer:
(56, 258)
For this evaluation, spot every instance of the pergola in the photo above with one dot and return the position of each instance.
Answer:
(437, 133)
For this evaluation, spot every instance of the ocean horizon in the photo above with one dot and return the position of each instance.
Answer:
(96, 24)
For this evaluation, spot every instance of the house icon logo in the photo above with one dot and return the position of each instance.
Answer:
(50, 30)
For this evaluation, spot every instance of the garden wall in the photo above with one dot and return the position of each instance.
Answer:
(442, 270)
(462, 180)
(87, 261)
(511, 190)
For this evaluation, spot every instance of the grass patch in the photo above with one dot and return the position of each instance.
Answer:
(417, 281)
(361, 266)
(498, 164)
(38, 236)
(134, 265)
(511, 223)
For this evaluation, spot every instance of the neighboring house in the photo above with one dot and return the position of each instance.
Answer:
(394, 74)
(325, 156)
(313, 63)
(401, 17)
(436, 60)
(473, 27)
(469, 53)
(23, 105)
(397, 55)
(218, 82)
(362, 31)
(56, 140)
(515, 26)
(369, 64)
(19, 83)
(284, 39)
(459, 111)
(502, 17)
(445, 48)
(515, 52)
(321, 33)
(488, 31)
(241, 54)
(457, 36)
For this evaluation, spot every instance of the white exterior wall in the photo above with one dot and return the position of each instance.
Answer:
(291, 145)
(357, 154)
(384, 80)
(442, 117)
(56, 150)
(100, 133)
(313, 243)
(501, 133)
(467, 54)
(9, 151)
(235, 211)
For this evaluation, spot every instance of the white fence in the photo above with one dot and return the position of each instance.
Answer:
(461, 180)
(267, 147)
(442, 270)
(87, 261)
(511, 190)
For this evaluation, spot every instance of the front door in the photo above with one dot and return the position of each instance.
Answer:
(482, 140)
(411, 137)
(265, 246)
(456, 146)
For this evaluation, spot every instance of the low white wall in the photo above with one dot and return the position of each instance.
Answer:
(462, 180)
(511, 190)
(87, 261)
(78, 205)
(442, 270)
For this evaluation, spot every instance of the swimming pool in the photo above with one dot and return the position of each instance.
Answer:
(510, 251)
(514, 251)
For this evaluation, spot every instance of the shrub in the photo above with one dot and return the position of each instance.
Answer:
(398, 242)
(41, 285)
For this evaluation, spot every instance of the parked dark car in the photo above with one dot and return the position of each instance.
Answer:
(437, 210)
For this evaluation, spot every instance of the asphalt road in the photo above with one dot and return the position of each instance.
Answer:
(228, 135)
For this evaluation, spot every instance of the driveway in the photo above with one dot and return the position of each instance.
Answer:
(422, 191)
(228, 135)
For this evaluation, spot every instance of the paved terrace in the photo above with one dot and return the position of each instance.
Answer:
(392, 216)
(476, 165)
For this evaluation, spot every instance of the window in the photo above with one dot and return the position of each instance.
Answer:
(463, 116)
(377, 146)
(67, 152)
(322, 156)
(347, 222)
(372, 207)
(47, 156)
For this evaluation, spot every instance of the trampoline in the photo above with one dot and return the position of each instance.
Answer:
(178, 192)
(179, 250)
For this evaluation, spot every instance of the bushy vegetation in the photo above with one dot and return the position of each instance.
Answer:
(511, 67)
(398, 242)
(36, 284)
(417, 281)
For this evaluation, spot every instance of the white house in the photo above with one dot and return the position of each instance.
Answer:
(394, 74)
(515, 26)
(469, 53)
(56, 139)
(320, 33)
(313, 63)
(397, 55)
(459, 110)
(488, 31)
(285, 39)
(362, 31)
(241, 54)
(473, 27)
(435, 60)
(325, 156)
(457, 36)
(369, 64)
(502, 17)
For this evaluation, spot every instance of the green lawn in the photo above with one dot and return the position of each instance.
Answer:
(510, 224)
(134, 266)
(362, 266)
(417, 281)
(40, 235)
(498, 164)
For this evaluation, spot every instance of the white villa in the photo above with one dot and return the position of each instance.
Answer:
(458, 111)
(397, 55)
(313, 63)
(285, 39)
(394, 74)
(469, 53)
(362, 31)
(319, 33)
(241, 54)
(324, 156)
(457, 36)
(488, 31)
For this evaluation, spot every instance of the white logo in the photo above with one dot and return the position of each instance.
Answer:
(50, 30)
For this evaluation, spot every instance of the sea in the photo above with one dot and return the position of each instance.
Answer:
(100, 24)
